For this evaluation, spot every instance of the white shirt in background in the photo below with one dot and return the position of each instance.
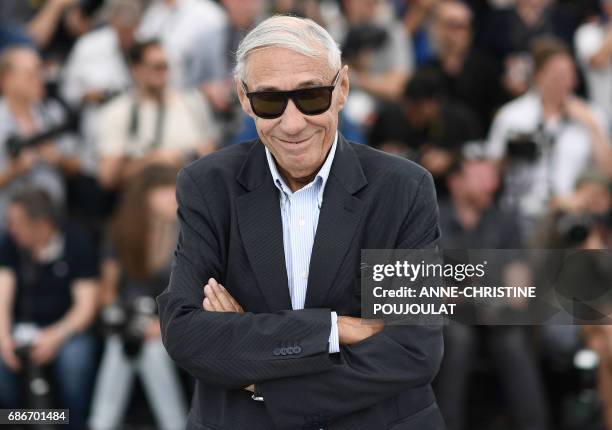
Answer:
(187, 124)
(588, 40)
(529, 185)
(178, 27)
(96, 63)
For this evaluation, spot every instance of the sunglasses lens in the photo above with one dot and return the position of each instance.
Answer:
(268, 105)
(314, 101)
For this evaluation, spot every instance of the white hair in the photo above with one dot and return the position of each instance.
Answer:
(301, 35)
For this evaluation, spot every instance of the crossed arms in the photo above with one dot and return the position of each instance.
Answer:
(234, 349)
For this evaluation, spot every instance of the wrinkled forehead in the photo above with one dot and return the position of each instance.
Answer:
(279, 68)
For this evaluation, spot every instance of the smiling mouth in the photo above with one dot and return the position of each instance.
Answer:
(294, 142)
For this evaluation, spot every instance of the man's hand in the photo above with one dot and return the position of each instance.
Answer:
(153, 330)
(23, 163)
(46, 345)
(7, 353)
(352, 330)
(579, 111)
(50, 153)
(217, 299)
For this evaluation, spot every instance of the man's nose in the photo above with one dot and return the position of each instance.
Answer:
(292, 121)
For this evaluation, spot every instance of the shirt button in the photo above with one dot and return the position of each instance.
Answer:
(305, 275)
(302, 223)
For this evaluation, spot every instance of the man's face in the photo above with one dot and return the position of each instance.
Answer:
(299, 142)
(21, 227)
(420, 113)
(362, 11)
(24, 79)
(606, 6)
(452, 27)
(535, 5)
(557, 78)
(478, 182)
(242, 13)
(152, 73)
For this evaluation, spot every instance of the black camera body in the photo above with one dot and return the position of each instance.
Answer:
(523, 146)
(37, 386)
(573, 229)
(129, 321)
(15, 144)
(363, 38)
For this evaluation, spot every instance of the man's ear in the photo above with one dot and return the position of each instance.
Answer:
(244, 100)
(343, 87)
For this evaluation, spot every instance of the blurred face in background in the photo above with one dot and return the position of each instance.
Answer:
(124, 18)
(532, 6)
(242, 13)
(606, 7)
(162, 203)
(556, 79)
(362, 11)
(24, 230)
(299, 142)
(452, 27)
(421, 113)
(23, 79)
(476, 183)
(151, 73)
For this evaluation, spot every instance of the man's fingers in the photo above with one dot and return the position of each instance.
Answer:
(207, 305)
(212, 297)
(224, 298)
(236, 305)
(218, 299)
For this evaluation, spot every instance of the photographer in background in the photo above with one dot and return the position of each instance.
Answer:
(425, 127)
(582, 220)
(24, 115)
(135, 269)
(468, 76)
(153, 123)
(48, 282)
(470, 219)
(548, 136)
(379, 53)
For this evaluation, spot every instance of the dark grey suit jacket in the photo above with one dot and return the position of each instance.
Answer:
(231, 230)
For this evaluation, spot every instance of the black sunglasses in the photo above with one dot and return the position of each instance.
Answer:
(309, 101)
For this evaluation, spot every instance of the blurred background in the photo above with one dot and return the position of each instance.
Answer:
(508, 103)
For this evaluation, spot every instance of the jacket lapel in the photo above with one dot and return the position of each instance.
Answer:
(260, 225)
(338, 220)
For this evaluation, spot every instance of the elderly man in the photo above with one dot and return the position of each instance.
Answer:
(280, 222)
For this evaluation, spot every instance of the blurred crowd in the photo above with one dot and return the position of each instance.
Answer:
(508, 103)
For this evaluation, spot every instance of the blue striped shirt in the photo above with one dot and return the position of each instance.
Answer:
(300, 216)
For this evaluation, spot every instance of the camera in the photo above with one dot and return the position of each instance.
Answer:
(15, 144)
(37, 387)
(522, 146)
(129, 321)
(573, 229)
(363, 38)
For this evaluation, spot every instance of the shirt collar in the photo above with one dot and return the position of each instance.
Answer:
(321, 177)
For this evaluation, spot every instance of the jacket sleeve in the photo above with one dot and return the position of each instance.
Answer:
(222, 348)
(377, 368)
